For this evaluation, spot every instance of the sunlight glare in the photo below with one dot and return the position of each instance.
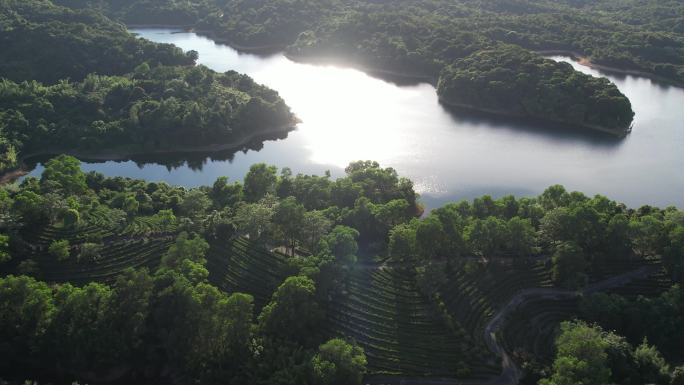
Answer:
(344, 122)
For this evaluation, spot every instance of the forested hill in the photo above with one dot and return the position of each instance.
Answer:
(423, 37)
(75, 81)
(305, 280)
(513, 81)
(47, 43)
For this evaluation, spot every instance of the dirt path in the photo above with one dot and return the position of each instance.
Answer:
(510, 372)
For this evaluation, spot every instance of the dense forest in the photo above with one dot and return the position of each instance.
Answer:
(425, 35)
(285, 279)
(74, 43)
(426, 39)
(517, 82)
(291, 279)
(108, 92)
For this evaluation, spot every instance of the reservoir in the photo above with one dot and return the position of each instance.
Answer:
(348, 115)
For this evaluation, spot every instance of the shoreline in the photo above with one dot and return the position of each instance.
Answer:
(215, 37)
(274, 48)
(303, 59)
(390, 75)
(619, 133)
(586, 61)
(124, 155)
(331, 60)
(119, 154)
(10, 176)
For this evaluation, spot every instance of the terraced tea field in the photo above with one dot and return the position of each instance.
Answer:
(117, 252)
(114, 259)
(239, 266)
(404, 333)
(472, 298)
(532, 328)
(397, 326)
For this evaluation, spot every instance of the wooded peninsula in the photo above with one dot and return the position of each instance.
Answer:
(106, 90)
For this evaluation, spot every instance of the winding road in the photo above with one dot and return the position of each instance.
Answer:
(510, 372)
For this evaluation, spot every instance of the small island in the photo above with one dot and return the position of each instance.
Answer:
(511, 81)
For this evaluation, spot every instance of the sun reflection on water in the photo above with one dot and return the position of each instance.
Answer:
(348, 115)
(343, 120)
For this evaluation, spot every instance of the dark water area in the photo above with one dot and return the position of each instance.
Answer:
(348, 115)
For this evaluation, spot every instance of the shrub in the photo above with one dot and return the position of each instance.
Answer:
(59, 249)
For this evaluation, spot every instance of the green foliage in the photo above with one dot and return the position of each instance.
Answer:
(414, 310)
(649, 235)
(293, 313)
(486, 229)
(195, 204)
(338, 363)
(203, 332)
(521, 236)
(259, 181)
(29, 206)
(138, 112)
(187, 255)
(75, 43)
(28, 267)
(27, 309)
(678, 376)
(402, 243)
(651, 365)
(89, 252)
(656, 318)
(223, 194)
(64, 174)
(674, 254)
(253, 219)
(427, 37)
(4, 249)
(511, 80)
(313, 228)
(71, 218)
(60, 249)
(288, 219)
(107, 89)
(589, 355)
(203, 328)
(581, 357)
(486, 236)
(165, 219)
(430, 236)
(569, 265)
(341, 243)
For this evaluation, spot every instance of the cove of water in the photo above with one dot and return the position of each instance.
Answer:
(348, 115)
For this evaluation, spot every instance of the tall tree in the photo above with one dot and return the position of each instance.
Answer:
(581, 357)
(259, 181)
(569, 264)
(63, 173)
(293, 313)
(314, 227)
(338, 363)
(289, 218)
(341, 242)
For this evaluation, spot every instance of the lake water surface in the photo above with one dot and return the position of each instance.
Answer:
(348, 115)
